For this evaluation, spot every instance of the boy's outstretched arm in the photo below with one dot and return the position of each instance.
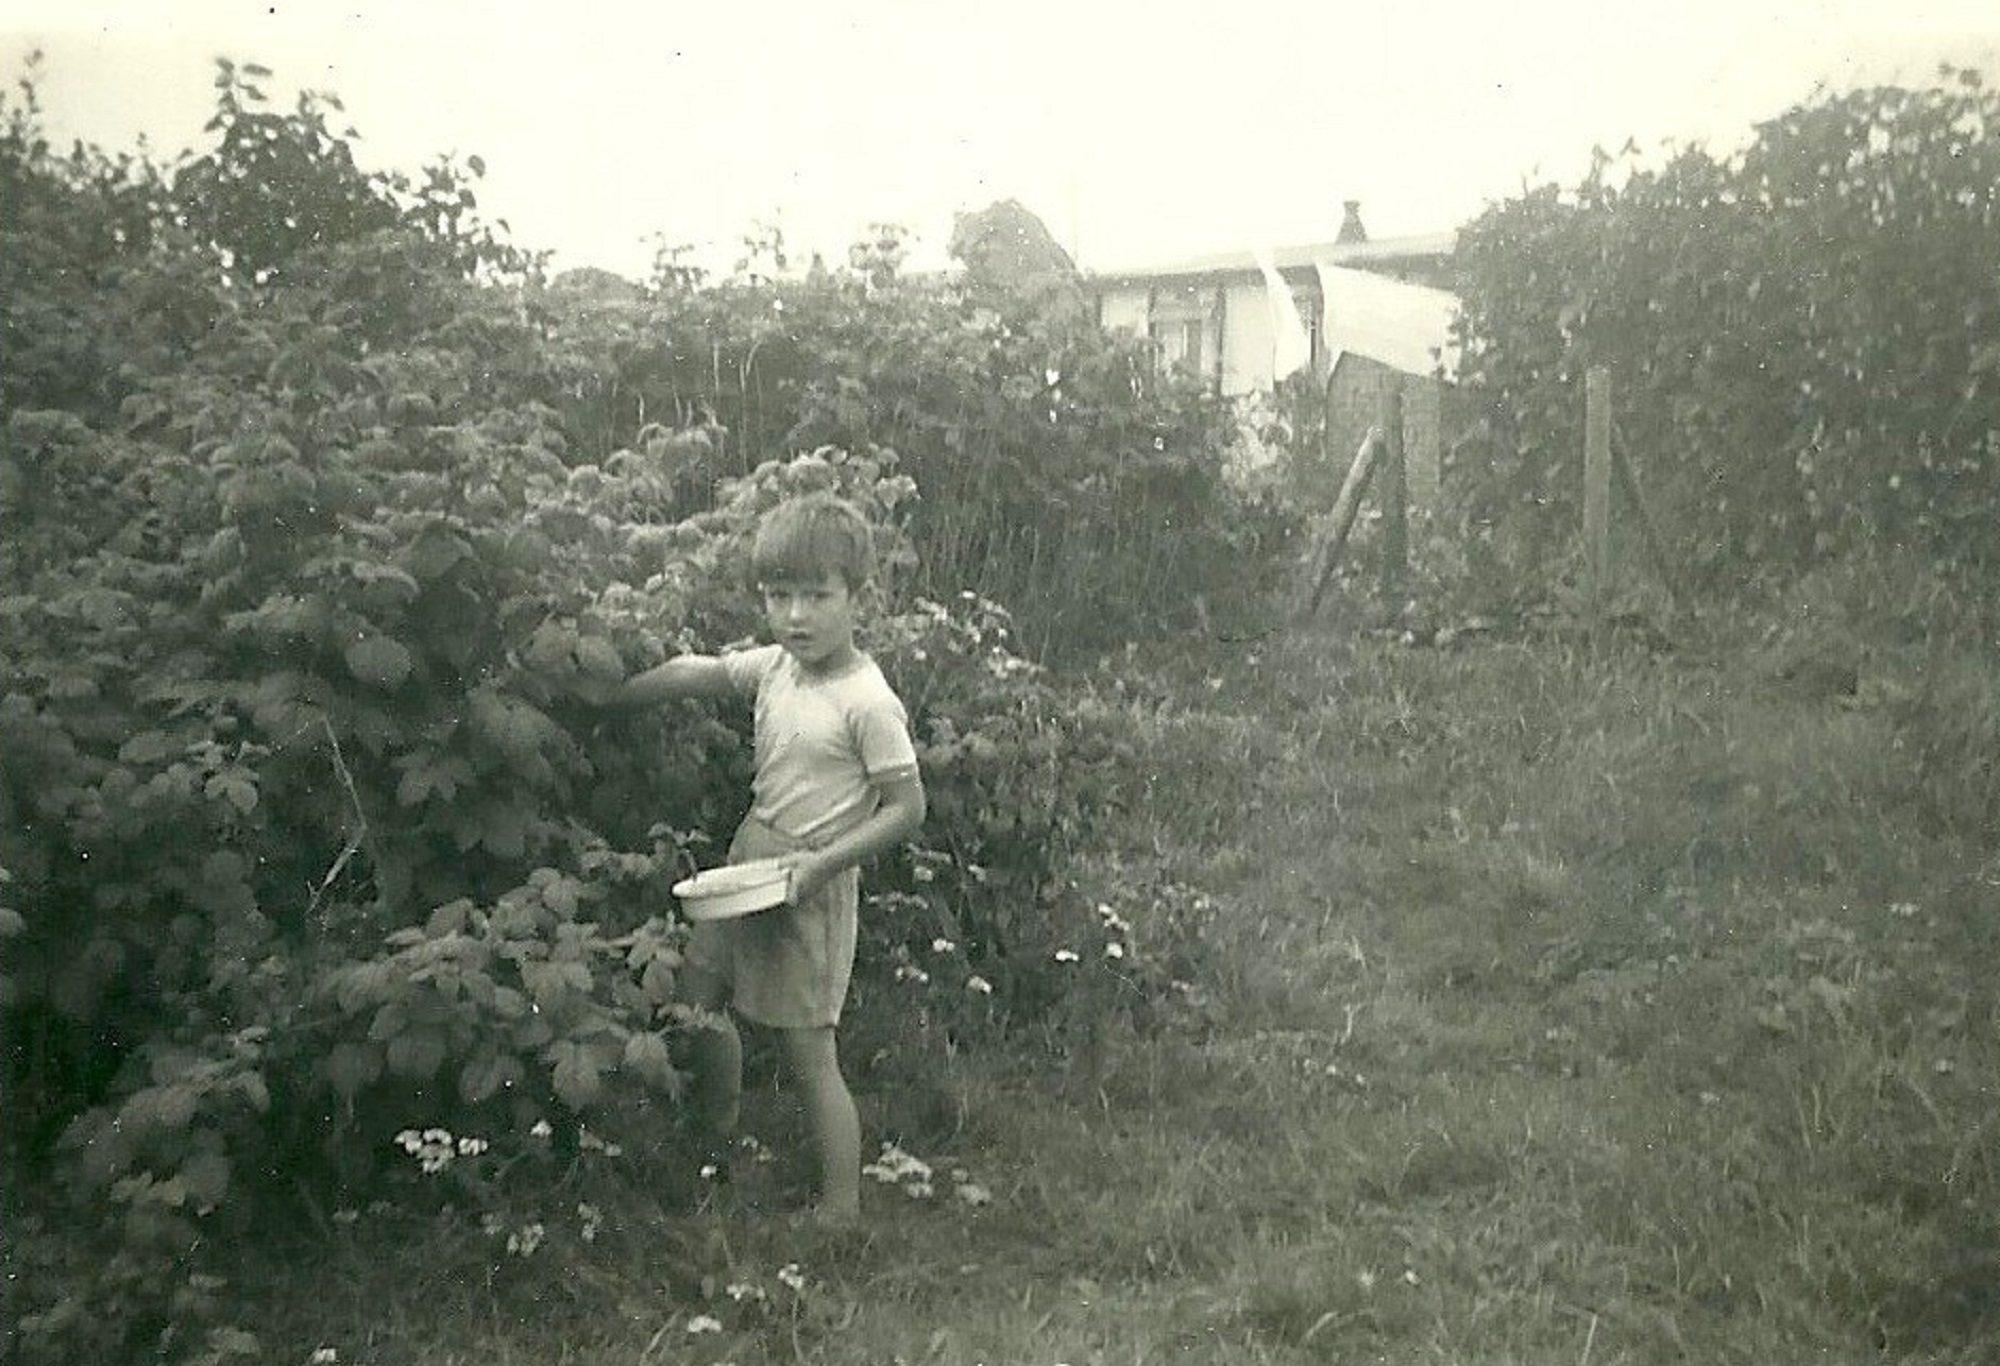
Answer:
(895, 820)
(682, 676)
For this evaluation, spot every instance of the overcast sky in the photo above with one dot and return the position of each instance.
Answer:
(1138, 131)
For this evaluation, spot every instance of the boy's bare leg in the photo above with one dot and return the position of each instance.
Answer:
(836, 1126)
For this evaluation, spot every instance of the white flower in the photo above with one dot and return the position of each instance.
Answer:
(1067, 956)
(1114, 950)
(980, 985)
(542, 1129)
(943, 945)
(323, 1356)
(972, 1193)
(704, 1323)
(895, 1165)
(792, 1277)
(744, 1290)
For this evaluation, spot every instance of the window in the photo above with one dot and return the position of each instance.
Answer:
(1180, 324)
(1178, 342)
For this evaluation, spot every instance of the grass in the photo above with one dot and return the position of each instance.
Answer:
(1570, 1006)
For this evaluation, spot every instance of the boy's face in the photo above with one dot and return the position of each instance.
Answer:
(813, 618)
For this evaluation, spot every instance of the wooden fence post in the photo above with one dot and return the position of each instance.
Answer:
(1628, 480)
(1423, 432)
(1394, 493)
(1344, 509)
(1597, 487)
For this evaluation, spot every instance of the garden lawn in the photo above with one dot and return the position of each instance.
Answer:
(1567, 1004)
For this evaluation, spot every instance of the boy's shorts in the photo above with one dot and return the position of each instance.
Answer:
(788, 967)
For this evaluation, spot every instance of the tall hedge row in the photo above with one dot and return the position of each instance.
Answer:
(1803, 337)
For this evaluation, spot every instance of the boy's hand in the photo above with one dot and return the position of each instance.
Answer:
(810, 872)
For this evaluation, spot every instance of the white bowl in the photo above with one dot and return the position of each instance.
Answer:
(734, 890)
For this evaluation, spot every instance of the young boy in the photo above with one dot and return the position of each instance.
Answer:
(836, 782)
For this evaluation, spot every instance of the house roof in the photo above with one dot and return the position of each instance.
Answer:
(1383, 251)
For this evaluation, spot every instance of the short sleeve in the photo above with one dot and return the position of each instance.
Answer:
(882, 734)
(747, 669)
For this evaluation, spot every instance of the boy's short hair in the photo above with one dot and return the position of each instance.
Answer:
(812, 536)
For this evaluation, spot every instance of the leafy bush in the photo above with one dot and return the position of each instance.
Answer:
(1800, 338)
(318, 538)
(1060, 473)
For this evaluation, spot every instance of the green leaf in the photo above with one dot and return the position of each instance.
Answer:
(235, 787)
(434, 552)
(149, 747)
(385, 585)
(647, 1058)
(360, 986)
(450, 918)
(254, 1090)
(430, 774)
(599, 659)
(560, 895)
(658, 981)
(485, 1076)
(379, 660)
(576, 1075)
(352, 1066)
(389, 1022)
(416, 1054)
(159, 1107)
(503, 830)
(550, 983)
(205, 1176)
(552, 647)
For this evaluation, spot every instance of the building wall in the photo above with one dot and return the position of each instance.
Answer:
(1235, 320)
(1124, 310)
(1353, 399)
(1248, 339)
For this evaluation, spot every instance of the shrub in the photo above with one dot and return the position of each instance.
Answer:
(308, 834)
(1799, 335)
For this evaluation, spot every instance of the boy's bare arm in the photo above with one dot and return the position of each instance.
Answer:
(682, 676)
(895, 820)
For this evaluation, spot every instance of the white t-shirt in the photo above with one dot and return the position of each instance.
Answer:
(821, 741)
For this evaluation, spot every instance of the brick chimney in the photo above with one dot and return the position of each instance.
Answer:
(1350, 223)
